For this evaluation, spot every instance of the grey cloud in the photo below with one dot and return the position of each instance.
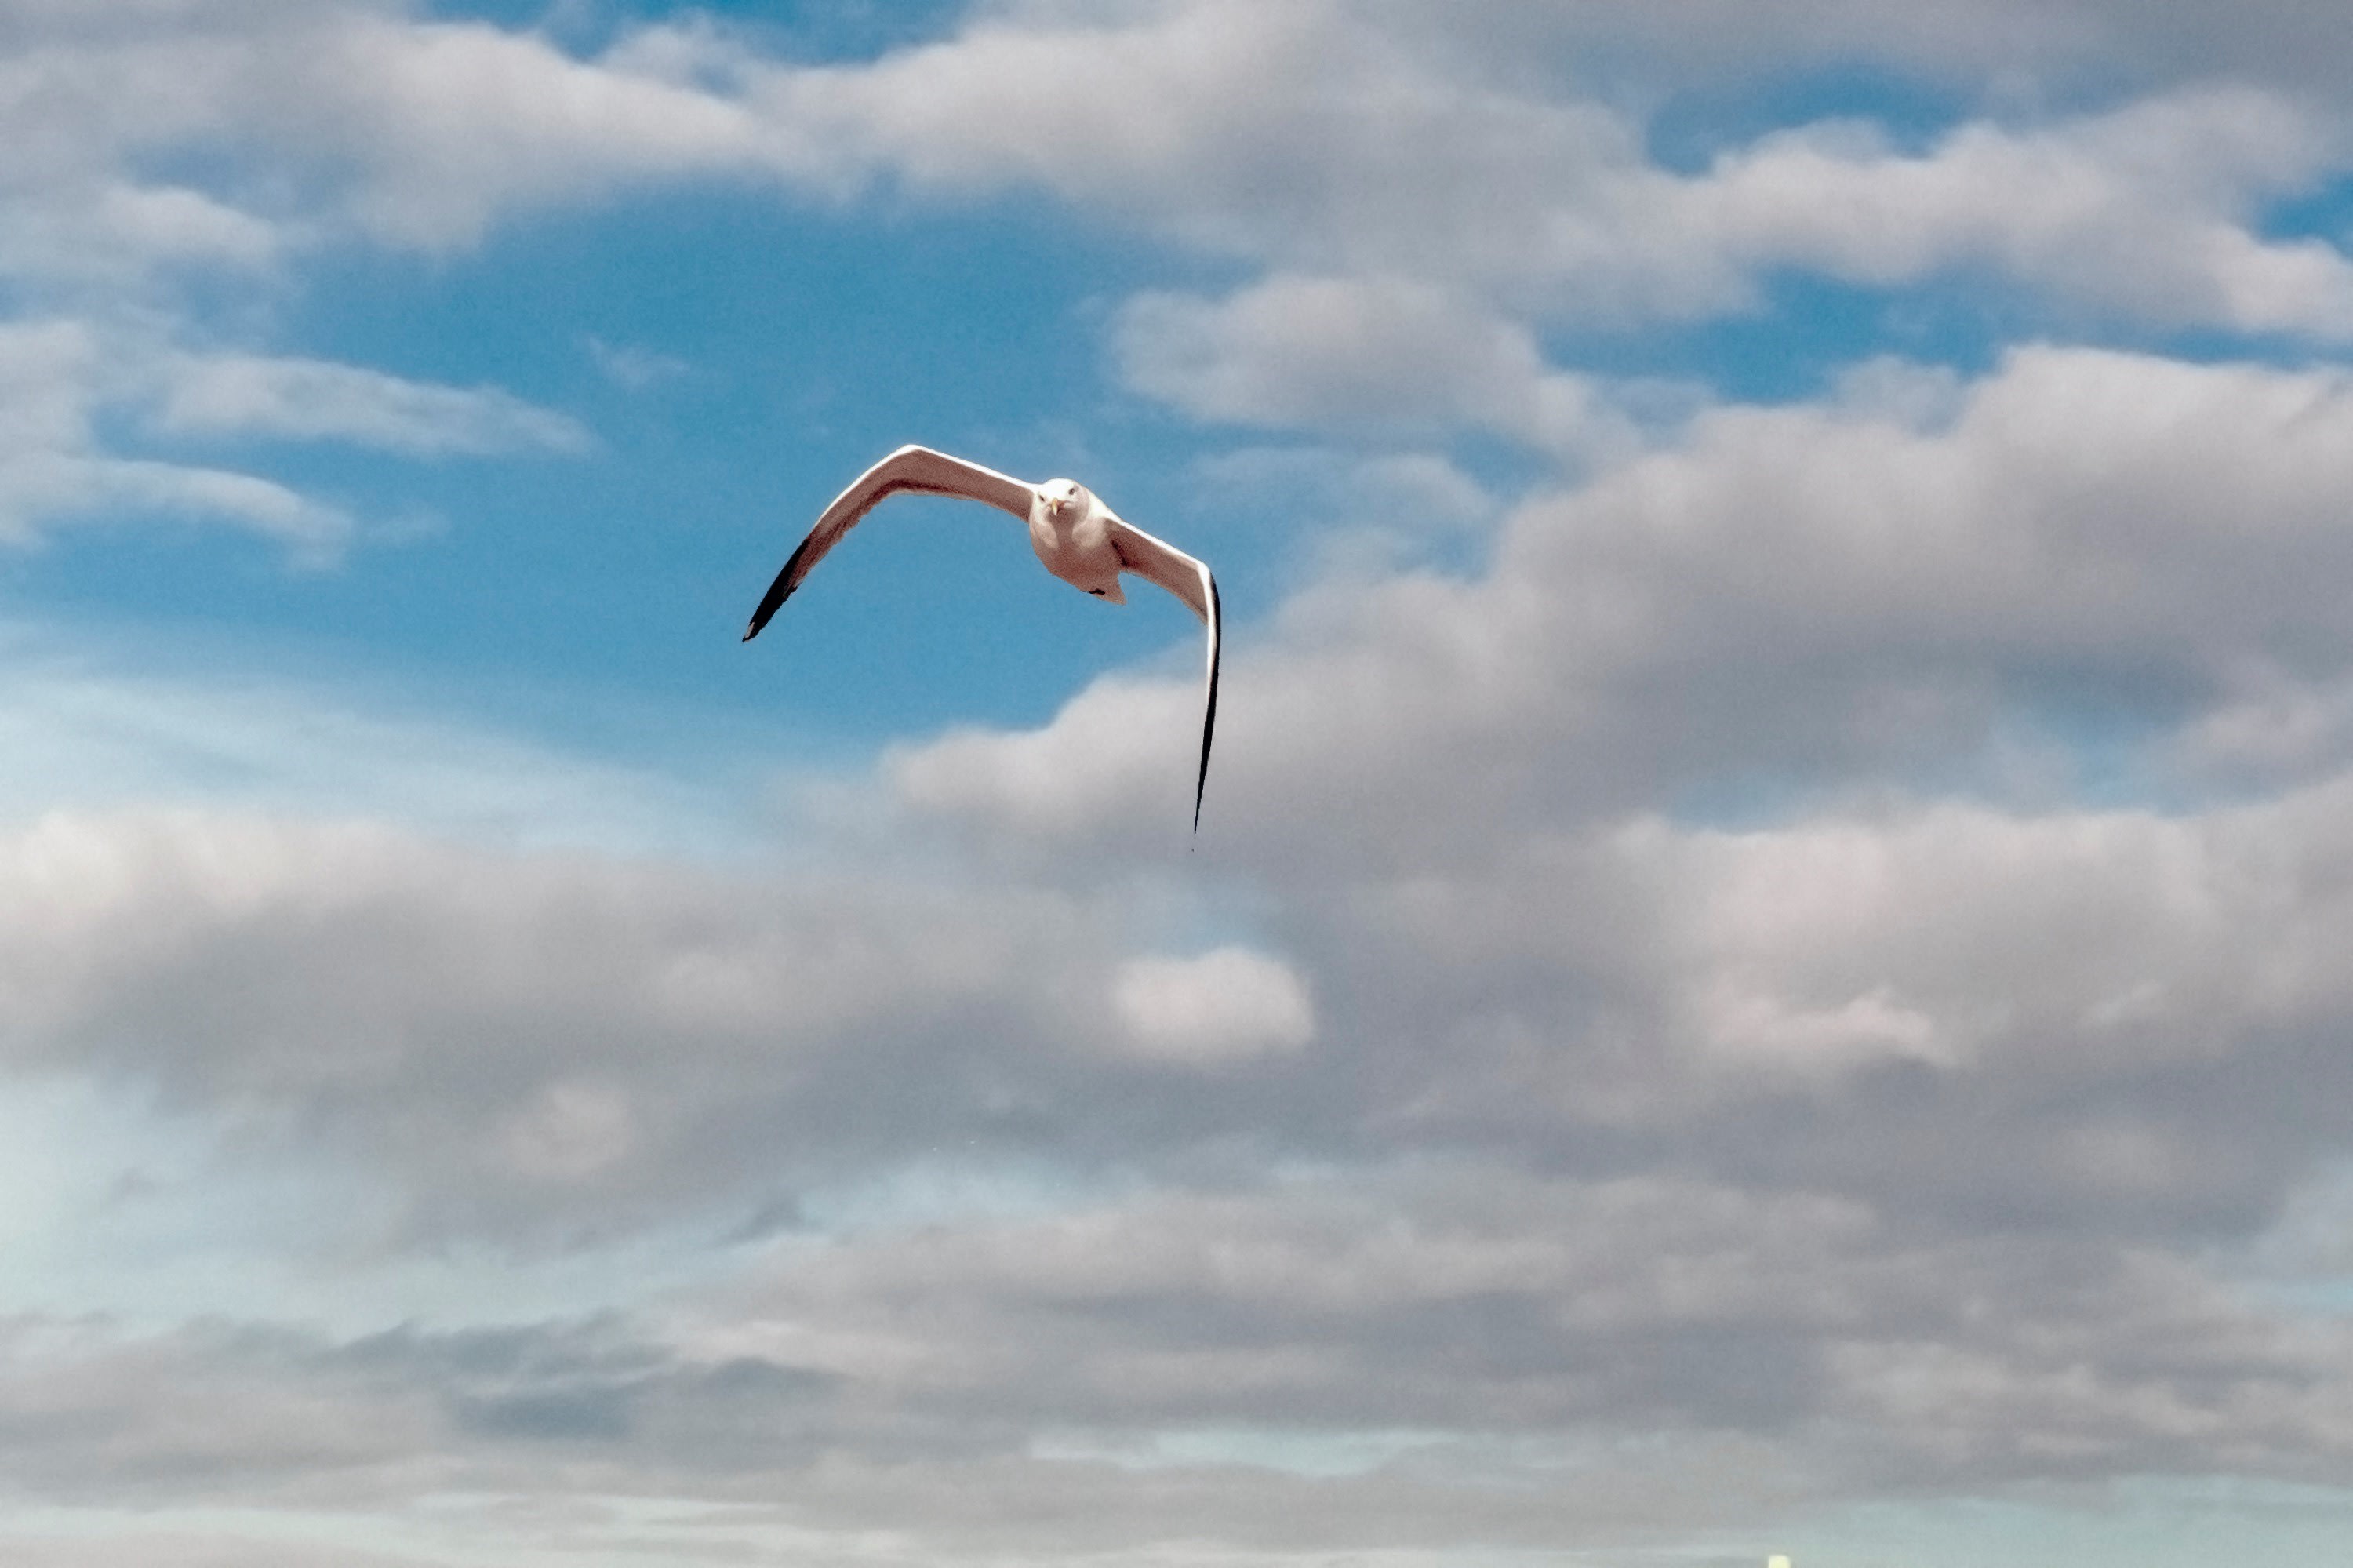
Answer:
(1882, 1224)
(2020, 47)
(558, 1048)
(1466, 1301)
(1797, 594)
(93, 1412)
(2043, 1017)
(1477, 1302)
(1540, 1192)
(1980, 1021)
(731, 1488)
(596, 1022)
(137, 1539)
(1016, 1384)
(1993, 1016)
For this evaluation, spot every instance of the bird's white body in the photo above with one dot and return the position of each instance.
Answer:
(1079, 539)
(1072, 532)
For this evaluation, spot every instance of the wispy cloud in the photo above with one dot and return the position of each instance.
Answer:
(634, 368)
(305, 399)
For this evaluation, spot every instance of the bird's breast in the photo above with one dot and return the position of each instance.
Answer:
(1078, 552)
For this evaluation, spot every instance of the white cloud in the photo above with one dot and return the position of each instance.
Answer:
(49, 488)
(415, 132)
(1758, 1026)
(1362, 355)
(1118, 736)
(2147, 212)
(453, 125)
(1226, 1005)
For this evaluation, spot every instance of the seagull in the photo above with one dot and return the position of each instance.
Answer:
(1082, 541)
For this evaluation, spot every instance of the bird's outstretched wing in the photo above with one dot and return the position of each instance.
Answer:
(1190, 581)
(918, 469)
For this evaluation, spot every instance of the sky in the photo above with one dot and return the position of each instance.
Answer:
(1763, 970)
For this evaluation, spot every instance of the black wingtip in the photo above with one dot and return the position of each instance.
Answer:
(778, 591)
(765, 612)
(1208, 711)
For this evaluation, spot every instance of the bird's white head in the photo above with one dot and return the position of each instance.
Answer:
(1066, 500)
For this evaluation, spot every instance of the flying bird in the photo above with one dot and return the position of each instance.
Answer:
(1082, 541)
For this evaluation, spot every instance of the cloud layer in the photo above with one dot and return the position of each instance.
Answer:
(1801, 966)
(1401, 202)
